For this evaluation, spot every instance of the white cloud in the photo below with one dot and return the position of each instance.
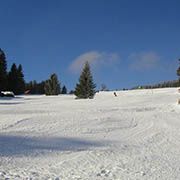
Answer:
(144, 61)
(95, 58)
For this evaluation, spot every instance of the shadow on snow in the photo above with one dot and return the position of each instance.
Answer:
(10, 103)
(10, 100)
(19, 145)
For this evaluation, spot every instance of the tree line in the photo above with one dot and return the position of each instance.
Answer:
(165, 84)
(43, 87)
(13, 80)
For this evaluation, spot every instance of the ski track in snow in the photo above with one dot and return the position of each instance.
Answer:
(133, 136)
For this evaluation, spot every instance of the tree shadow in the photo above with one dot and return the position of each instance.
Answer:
(10, 100)
(6, 98)
(10, 103)
(11, 145)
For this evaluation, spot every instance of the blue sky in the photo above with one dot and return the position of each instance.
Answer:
(127, 42)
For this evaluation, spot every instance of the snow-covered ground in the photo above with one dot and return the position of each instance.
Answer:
(133, 136)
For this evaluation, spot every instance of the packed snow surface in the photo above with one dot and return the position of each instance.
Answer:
(135, 135)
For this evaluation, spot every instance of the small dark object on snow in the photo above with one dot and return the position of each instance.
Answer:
(115, 94)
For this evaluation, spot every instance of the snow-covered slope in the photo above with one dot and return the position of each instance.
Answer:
(133, 136)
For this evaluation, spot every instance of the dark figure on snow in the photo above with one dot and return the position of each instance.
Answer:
(115, 94)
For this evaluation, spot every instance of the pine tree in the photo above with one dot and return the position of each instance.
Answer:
(34, 87)
(71, 92)
(64, 90)
(52, 86)
(21, 81)
(85, 88)
(3, 71)
(16, 82)
(178, 72)
(13, 79)
(40, 87)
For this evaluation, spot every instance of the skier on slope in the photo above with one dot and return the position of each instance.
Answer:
(115, 94)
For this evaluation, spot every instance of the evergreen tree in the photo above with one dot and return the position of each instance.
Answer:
(34, 87)
(13, 79)
(85, 88)
(3, 71)
(178, 72)
(52, 86)
(21, 81)
(64, 90)
(40, 87)
(71, 92)
(16, 81)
